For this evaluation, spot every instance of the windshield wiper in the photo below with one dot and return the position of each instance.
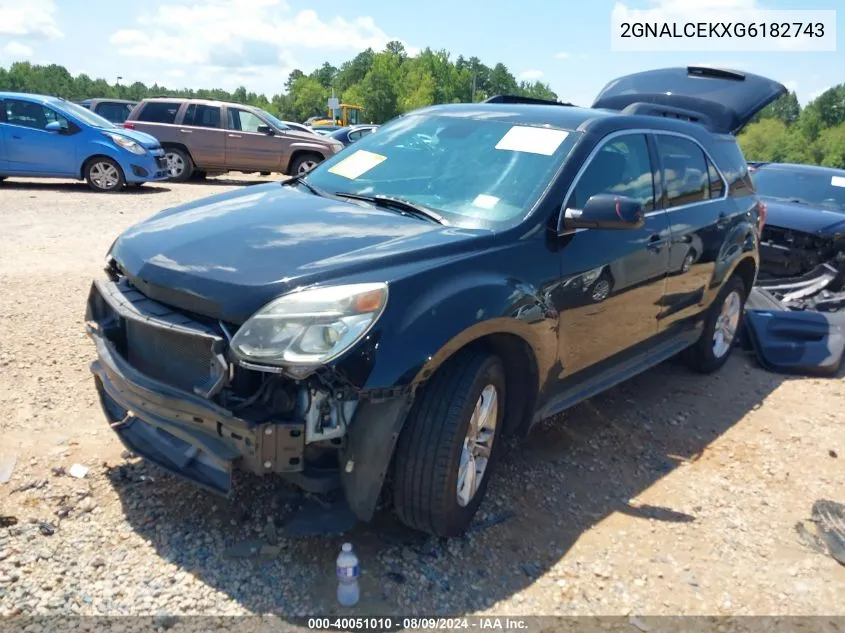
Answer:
(405, 206)
(300, 180)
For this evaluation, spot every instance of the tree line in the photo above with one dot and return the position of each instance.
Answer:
(385, 83)
(390, 82)
(784, 132)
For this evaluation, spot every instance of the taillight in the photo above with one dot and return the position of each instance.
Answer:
(762, 211)
(128, 126)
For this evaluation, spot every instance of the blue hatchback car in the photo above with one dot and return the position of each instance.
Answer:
(49, 137)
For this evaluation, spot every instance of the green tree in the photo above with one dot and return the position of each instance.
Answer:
(380, 86)
(831, 106)
(785, 109)
(309, 98)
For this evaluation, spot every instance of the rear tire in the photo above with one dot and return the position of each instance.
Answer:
(104, 175)
(437, 445)
(721, 329)
(304, 163)
(179, 164)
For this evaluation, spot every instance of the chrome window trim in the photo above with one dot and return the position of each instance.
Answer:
(645, 132)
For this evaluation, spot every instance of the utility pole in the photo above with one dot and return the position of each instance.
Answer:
(119, 92)
(473, 87)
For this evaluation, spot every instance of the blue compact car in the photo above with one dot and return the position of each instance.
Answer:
(49, 137)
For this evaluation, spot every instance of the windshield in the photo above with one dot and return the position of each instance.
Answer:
(279, 124)
(85, 115)
(819, 189)
(470, 169)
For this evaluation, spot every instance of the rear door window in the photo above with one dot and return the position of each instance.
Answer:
(623, 167)
(159, 112)
(114, 112)
(685, 171)
(200, 115)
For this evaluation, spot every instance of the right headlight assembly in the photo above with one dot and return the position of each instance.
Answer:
(310, 327)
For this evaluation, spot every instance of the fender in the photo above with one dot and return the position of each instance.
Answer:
(447, 317)
(97, 147)
(741, 244)
(323, 150)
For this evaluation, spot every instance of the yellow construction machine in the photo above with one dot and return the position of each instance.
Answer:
(348, 115)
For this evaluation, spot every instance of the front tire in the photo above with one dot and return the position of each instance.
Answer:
(104, 175)
(721, 328)
(180, 167)
(304, 163)
(449, 445)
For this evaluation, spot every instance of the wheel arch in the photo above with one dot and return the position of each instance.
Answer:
(180, 146)
(302, 152)
(521, 371)
(90, 159)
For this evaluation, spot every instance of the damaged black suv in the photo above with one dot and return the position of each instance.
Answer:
(372, 329)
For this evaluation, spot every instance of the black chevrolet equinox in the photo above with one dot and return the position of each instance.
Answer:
(371, 329)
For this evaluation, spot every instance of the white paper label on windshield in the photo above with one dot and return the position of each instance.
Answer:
(536, 140)
(838, 181)
(484, 201)
(357, 164)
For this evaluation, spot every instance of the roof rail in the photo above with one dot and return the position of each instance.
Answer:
(667, 112)
(519, 99)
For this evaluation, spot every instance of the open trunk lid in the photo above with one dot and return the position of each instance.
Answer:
(722, 100)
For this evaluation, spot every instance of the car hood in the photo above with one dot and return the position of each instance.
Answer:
(226, 256)
(142, 138)
(803, 218)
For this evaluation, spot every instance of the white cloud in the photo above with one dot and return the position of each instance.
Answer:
(243, 37)
(33, 18)
(531, 75)
(17, 51)
(815, 95)
(563, 55)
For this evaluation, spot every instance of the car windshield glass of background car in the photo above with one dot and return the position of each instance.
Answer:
(472, 170)
(819, 189)
(86, 116)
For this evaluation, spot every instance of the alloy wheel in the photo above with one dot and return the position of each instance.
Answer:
(104, 175)
(175, 164)
(727, 324)
(306, 166)
(478, 445)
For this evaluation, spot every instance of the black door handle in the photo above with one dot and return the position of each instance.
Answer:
(723, 220)
(655, 241)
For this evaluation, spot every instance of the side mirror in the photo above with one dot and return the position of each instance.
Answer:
(53, 126)
(266, 129)
(605, 211)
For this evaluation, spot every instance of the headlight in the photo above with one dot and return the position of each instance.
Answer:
(336, 146)
(310, 327)
(126, 143)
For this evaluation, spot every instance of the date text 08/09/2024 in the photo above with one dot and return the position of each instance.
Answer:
(420, 624)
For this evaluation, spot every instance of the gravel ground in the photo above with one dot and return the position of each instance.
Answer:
(671, 494)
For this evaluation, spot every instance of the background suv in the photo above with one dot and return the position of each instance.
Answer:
(115, 110)
(202, 136)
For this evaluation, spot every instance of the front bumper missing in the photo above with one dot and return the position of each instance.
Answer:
(193, 437)
(185, 434)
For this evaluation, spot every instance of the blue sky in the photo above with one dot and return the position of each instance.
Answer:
(226, 43)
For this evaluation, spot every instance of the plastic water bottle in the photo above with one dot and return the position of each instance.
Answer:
(348, 591)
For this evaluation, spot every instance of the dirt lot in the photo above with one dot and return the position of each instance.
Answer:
(671, 494)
